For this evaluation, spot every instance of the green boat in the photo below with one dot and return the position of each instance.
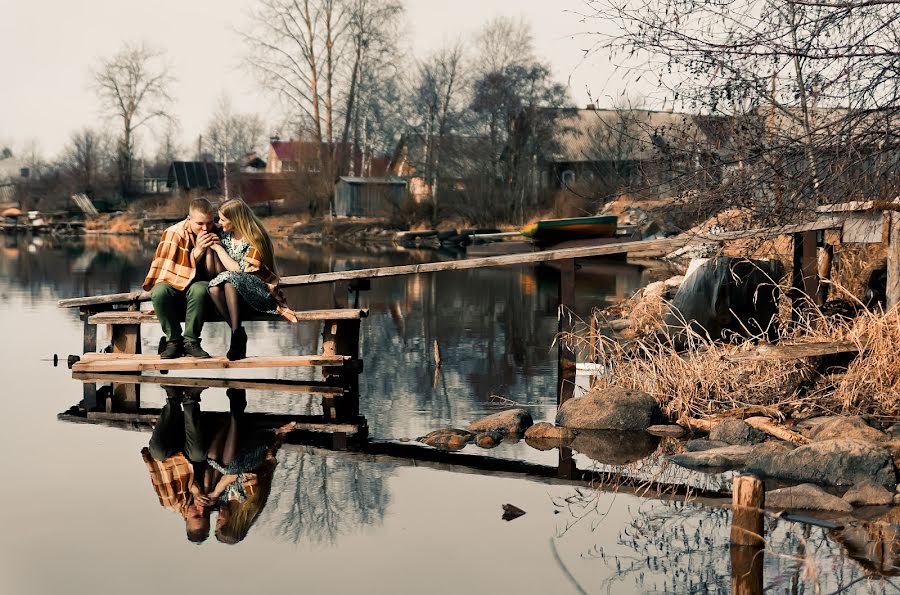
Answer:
(578, 228)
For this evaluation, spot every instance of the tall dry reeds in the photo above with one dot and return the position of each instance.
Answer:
(696, 378)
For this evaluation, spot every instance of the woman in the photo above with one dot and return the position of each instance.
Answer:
(241, 461)
(246, 272)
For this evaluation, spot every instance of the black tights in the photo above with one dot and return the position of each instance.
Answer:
(227, 301)
(225, 297)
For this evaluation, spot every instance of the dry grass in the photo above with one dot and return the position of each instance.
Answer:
(700, 382)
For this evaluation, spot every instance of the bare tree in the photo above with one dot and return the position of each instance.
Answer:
(230, 135)
(802, 95)
(503, 42)
(88, 160)
(133, 87)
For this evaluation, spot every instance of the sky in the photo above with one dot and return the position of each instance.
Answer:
(50, 46)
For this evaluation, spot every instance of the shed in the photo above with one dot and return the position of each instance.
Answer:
(368, 197)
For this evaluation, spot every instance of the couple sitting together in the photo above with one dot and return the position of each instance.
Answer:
(230, 264)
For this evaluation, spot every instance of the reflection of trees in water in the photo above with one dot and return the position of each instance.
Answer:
(678, 547)
(319, 498)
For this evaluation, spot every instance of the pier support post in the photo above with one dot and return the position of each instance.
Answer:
(748, 501)
(126, 338)
(565, 355)
(805, 276)
(893, 260)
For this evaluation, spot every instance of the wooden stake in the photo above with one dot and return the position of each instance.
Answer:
(747, 503)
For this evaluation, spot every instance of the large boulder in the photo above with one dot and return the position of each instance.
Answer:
(806, 496)
(610, 408)
(840, 462)
(735, 431)
(615, 448)
(868, 493)
(511, 421)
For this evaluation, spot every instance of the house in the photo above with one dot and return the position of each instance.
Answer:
(614, 148)
(368, 197)
(303, 156)
(452, 159)
(194, 175)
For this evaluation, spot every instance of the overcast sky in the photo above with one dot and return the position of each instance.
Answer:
(49, 47)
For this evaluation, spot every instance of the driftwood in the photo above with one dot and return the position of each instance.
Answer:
(764, 424)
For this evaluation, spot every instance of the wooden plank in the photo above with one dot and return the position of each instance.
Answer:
(863, 228)
(784, 352)
(295, 386)
(124, 317)
(152, 416)
(827, 222)
(110, 362)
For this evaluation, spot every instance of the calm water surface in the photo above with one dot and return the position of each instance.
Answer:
(80, 514)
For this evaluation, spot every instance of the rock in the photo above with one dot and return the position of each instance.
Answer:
(512, 421)
(868, 493)
(511, 512)
(701, 444)
(449, 439)
(543, 430)
(615, 448)
(488, 439)
(735, 431)
(840, 426)
(610, 408)
(673, 431)
(544, 443)
(726, 457)
(806, 496)
(894, 431)
(841, 462)
(896, 499)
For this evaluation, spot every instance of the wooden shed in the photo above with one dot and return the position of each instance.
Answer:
(368, 197)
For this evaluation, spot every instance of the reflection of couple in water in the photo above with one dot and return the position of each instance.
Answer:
(232, 474)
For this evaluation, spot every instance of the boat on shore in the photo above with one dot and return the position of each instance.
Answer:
(576, 228)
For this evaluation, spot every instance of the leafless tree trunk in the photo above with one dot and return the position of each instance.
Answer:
(133, 87)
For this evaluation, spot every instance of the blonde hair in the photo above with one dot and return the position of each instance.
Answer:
(248, 225)
(244, 514)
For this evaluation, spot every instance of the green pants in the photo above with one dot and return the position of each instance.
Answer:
(173, 306)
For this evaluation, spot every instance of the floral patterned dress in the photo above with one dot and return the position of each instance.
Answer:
(249, 286)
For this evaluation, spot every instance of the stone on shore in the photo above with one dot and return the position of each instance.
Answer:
(735, 431)
(726, 457)
(615, 448)
(701, 444)
(448, 439)
(806, 496)
(840, 462)
(488, 439)
(610, 408)
(868, 493)
(843, 427)
(511, 421)
(546, 431)
(673, 431)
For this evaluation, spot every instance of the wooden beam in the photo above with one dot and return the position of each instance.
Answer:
(124, 317)
(110, 362)
(747, 506)
(668, 244)
(785, 352)
(294, 386)
(149, 417)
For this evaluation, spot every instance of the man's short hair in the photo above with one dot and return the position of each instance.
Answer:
(202, 205)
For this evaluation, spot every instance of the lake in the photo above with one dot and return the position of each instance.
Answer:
(86, 518)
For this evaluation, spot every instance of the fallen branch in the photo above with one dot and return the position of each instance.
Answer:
(764, 424)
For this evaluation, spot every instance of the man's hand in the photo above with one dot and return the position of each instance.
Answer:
(204, 241)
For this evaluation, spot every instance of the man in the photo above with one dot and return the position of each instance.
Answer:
(176, 292)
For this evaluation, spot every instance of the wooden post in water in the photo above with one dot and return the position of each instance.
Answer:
(893, 260)
(748, 501)
(565, 355)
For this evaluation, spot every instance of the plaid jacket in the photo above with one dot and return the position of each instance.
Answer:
(173, 262)
(171, 479)
(255, 266)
